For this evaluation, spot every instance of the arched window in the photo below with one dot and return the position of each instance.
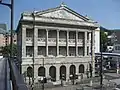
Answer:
(63, 72)
(41, 71)
(81, 68)
(72, 69)
(52, 73)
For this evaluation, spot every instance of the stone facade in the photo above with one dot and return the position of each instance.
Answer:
(56, 41)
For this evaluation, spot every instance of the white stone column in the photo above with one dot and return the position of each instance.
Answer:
(57, 72)
(67, 43)
(57, 42)
(77, 68)
(36, 73)
(47, 71)
(46, 42)
(35, 42)
(67, 73)
(23, 42)
(76, 43)
(90, 43)
(85, 43)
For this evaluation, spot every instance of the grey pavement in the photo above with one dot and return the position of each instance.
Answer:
(3, 74)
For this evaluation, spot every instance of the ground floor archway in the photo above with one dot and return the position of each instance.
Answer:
(72, 69)
(52, 73)
(63, 72)
(81, 68)
(41, 71)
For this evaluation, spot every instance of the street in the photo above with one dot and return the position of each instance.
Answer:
(4, 75)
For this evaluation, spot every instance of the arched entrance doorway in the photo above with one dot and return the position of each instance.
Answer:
(29, 72)
(41, 71)
(63, 72)
(81, 68)
(72, 69)
(52, 73)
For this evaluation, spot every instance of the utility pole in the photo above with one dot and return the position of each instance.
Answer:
(33, 15)
(43, 76)
(11, 6)
(101, 71)
(11, 35)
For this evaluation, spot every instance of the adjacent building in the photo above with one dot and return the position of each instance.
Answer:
(57, 42)
(3, 38)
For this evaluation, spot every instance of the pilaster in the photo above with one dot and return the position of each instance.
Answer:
(67, 43)
(57, 73)
(67, 72)
(23, 42)
(85, 43)
(35, 42)
(76, 43)
(57, 42)
(89, 43)
(46, 42)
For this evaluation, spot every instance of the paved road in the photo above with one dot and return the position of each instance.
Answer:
(3, 77)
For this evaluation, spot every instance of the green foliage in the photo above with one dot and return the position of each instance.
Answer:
(6, 50)
(103, 40)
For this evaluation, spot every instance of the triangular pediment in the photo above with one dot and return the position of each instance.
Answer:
(62, 13)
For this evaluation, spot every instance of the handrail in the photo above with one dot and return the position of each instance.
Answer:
(17, 78)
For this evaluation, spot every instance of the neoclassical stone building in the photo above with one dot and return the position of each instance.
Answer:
(56, 42)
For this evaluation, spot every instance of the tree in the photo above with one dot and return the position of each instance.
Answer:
(6, 50)
(103, 40)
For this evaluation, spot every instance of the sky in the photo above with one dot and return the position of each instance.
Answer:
(105, 12)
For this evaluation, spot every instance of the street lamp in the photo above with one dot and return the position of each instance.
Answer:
(11, 39)
(11, 35)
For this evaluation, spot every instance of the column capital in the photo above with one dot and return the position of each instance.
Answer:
(47, 30)
(58, 30)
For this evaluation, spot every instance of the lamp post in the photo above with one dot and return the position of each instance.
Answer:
(33, 15)
(101, 71)
(11, 35)
(43, 77)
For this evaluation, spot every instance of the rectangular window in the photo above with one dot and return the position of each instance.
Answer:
(29, 51)
(80, 51)
(41, 33)
(52, 34)
(29, 33)
(72, 51)
(62, 51)
(52, 50)
(72, 35)
(42, 50)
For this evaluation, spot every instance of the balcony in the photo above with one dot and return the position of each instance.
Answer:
(29, 40)
(51, 41)
(80, 42)
(71, 42)
(62, 42)
(41, 41)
